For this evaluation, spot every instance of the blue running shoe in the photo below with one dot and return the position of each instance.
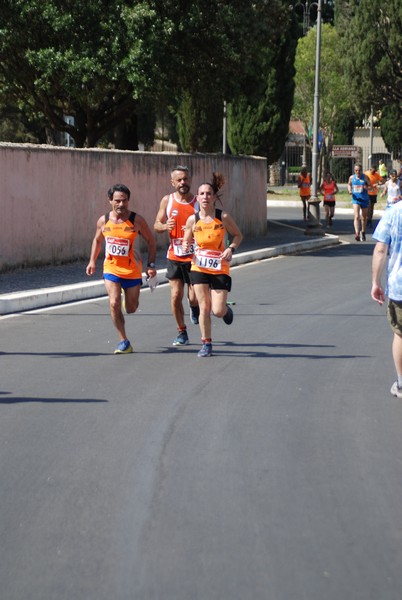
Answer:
(123, 348)
(181, 339)
(194, 314)
(228, 318)
(206, 350)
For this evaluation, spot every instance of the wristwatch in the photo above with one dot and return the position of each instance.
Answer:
(151, 265)
(233, 249)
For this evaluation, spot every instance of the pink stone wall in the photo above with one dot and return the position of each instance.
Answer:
(52, 197)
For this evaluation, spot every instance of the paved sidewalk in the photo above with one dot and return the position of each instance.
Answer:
(28, 289)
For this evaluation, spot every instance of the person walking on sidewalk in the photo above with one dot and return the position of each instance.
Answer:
(211, 261)
(358, 185)
(329, 188)
(122, 269)
(304, 185)
(389, 242)
(174, 210)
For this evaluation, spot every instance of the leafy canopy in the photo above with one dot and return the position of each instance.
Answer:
(334, 98)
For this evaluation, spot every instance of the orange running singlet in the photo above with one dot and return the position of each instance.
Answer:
(210, 243)
(119, 249)
(305, 188)
(180, 211)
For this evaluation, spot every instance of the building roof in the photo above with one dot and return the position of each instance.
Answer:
(296, 127)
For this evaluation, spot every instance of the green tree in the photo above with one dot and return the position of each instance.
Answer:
(391, 128)
(105, 61)
(21, 126)
(199, 123)
(343, 13)
(84, 59)
(373, 49)
(258, 122)
(258, 117)
(372, 45)
(335, 101)
(226, 45)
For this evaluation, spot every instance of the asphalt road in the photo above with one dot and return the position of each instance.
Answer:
(271, 471)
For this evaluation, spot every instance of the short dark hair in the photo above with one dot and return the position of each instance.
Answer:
(118, 187)
(180, 168)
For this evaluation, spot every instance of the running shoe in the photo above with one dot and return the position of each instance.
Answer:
(228, 318)
(123, 347)
(206, 350)
(194, 314)
(395, 390)
(181, 339)
(357, 237)
(363, 236)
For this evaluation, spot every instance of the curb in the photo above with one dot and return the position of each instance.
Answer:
(18, 302)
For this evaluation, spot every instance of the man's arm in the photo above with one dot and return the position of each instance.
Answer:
(188, 233)
(350, 184)
(161, 222)
(379, 259)
(96, 246)
(147, 235)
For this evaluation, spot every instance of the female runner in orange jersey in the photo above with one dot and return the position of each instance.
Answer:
(211, 261)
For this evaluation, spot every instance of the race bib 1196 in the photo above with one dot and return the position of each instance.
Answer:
(208, 259)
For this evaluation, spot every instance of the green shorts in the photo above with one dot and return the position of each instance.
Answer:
(394, 314)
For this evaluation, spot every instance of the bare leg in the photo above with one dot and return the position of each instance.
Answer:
(114, 292)
(176, 301)
(132, 298)
(356, 220)
(331, 214)
(192, 298)
(219, 299)
(364, 219)
(326, 208)
(204, 300)
(397, 352)
(305, 207)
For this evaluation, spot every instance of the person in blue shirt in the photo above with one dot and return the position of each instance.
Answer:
(388, 235)
(358, 186)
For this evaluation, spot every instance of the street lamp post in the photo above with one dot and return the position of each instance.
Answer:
(314, 227)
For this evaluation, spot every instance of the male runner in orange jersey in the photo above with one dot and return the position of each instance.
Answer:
(172, 216)
(375, 179)
(122, 269)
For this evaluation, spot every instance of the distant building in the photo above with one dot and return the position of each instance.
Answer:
(361, 138)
